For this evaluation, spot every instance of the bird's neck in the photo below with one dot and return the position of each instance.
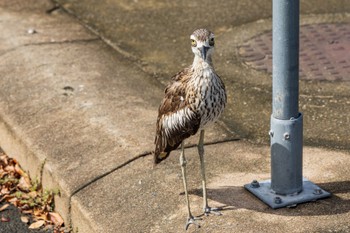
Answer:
(201, 64)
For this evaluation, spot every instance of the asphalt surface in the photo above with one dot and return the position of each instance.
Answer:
(11, 222)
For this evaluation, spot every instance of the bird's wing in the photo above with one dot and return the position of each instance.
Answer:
(176, 120)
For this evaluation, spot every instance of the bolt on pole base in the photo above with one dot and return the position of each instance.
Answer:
(262, 190)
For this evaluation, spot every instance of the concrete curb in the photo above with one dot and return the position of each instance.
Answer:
(72, 101)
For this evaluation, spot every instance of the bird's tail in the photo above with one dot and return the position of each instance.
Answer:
(160, 156)
(162, 150)
(159, 153)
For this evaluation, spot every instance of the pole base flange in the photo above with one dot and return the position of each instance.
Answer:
(262, 190)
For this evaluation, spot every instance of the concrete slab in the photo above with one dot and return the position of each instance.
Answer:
(140, 198)
(155, 35)
(89, 112)
(324, 105)
(22, 28)
(83, 112)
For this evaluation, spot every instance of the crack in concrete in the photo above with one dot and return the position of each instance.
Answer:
(98, 178)
(53, 9)
(126, 54)
(144, 154)
(49, 43)
(109, 172)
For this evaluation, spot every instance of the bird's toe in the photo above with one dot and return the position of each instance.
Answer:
(209, 210)
(192, 220)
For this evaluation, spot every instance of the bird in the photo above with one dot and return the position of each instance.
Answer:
(194, 98)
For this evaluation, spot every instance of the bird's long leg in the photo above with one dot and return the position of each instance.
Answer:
(206, 208)
(190, 219)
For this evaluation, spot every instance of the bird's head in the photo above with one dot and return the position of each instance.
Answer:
(202, 42)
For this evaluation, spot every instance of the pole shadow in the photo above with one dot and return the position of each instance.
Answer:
(237, 197)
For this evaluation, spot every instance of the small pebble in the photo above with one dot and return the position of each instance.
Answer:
(31, 31)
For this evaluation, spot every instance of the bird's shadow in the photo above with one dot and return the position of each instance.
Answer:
(236, 197)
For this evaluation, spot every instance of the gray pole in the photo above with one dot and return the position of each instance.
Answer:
(285, 52)
(287, 186)
(286, 122)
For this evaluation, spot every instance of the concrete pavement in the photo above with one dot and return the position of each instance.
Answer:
(88, 110)
(154, 35)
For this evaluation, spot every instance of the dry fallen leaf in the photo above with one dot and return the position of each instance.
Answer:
(4, 207)
(4, 190)
(4, 219)
(24, 219)
(33, 194)
(37, 224)
(13, 200)
(37, 211)
(56, 219)
(4, 197)
(9, 168)
(19, 170)
(30, 197)
(27, 211)
(42, 216)
(25, 207)
(3, 158)
(2, 173)
(24, 184)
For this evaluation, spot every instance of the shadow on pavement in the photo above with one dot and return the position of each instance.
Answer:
(236, 197)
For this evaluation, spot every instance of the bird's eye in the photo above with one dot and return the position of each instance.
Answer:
(193, 43)
(211, 42)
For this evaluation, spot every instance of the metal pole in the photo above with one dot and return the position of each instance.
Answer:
(287, 186)
(285, 52)
(286, 122)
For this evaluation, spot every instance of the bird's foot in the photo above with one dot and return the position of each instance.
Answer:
(209, 210)
(192, 220)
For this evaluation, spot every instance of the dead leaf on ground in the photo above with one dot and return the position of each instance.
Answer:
(37, 224)
(2, 173)
(4, 207)
(4, 219)
(37, 211)
(24, 184)
(42, 216)
(3, 158)
(9, 168)
(33, 194)
(4, 191)
(18, 189)
(19, 170)
(27, 211)
(56, 219)
(13, 200)
(5, 197)
(24, 219)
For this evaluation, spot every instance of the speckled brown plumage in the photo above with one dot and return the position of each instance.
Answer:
(195, 97)
(175, 101)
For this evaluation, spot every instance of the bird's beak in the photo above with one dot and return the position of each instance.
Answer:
(204, 51)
